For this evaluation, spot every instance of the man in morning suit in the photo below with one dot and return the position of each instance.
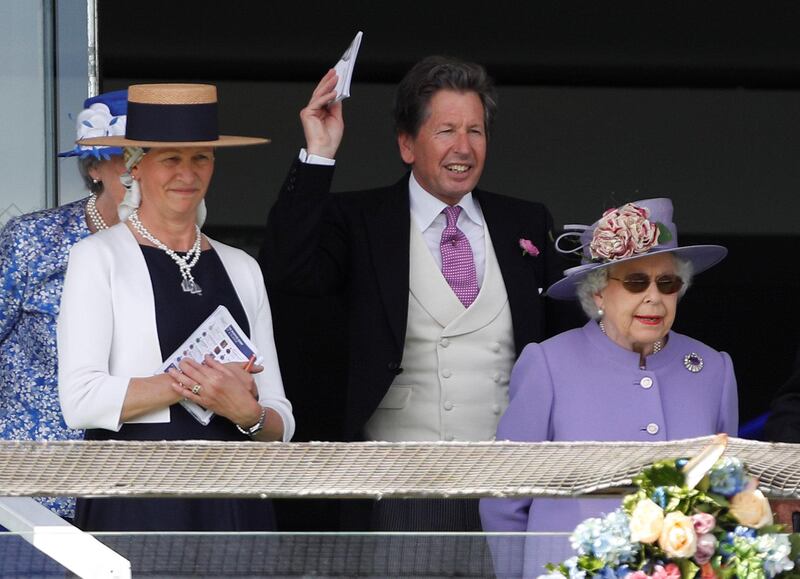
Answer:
(440, 296)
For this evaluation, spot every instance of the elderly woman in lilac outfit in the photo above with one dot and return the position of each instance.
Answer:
(624, 375)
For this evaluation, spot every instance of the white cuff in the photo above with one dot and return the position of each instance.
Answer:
(315, 159)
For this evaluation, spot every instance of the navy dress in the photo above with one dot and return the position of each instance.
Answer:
(177, 315)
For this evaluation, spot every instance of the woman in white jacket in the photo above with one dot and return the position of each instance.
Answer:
(134, 293)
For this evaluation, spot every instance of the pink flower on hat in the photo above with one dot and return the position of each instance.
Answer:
(528, 247)
(623, 232)
(668, 571)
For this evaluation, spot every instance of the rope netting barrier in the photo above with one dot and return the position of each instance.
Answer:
(361, 469)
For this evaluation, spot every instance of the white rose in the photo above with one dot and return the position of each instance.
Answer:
(646, 522)
(678, 538)
(751, 508)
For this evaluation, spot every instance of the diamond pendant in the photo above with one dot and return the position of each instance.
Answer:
(190, 286)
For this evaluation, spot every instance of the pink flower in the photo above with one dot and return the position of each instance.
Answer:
(703, 523)
(528, 247)
(637, 575)
(706, 547)
(623, 232)
(671, 571)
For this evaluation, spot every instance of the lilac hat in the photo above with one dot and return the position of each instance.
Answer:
(102, 115)
(635, 230)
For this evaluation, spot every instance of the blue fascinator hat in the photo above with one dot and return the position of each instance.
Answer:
(103, 115)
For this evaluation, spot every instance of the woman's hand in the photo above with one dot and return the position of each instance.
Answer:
(148, 394)
(322, 120)
(226, 389)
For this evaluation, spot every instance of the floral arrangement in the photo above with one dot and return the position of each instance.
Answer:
(626, 231)
(97, 121)
(718, 525)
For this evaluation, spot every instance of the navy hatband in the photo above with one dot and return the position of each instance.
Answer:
(172, 123)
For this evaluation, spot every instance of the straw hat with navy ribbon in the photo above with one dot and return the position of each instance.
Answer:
(632, 231)
(167, 115)
(172, 115)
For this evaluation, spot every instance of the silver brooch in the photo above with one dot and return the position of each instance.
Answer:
(693, 362)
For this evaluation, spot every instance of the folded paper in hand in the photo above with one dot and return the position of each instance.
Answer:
(344, 69)
(218, 336)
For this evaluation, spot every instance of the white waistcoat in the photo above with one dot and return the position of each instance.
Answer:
(456, 360)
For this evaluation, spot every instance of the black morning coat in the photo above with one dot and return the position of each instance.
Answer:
(356, 245)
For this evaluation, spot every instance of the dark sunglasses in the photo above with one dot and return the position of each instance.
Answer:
(636, 283)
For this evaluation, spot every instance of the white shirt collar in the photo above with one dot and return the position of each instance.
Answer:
(425, 207)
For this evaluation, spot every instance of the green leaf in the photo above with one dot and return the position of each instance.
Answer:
(590, 564)
(794, 540)
(557, 569)
(688, 568)
(665, 474)
(719, 499)
(664, 234)
(771, 529)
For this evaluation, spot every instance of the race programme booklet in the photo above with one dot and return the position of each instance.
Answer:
(219, 336)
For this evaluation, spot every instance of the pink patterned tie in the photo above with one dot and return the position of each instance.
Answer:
(458, 267)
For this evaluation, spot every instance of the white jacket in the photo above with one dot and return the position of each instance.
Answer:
(107, 329)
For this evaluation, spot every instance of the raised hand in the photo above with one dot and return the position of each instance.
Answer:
(322, 120)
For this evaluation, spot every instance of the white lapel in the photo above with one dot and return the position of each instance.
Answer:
(136, 300)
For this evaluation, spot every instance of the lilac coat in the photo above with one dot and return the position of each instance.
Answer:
(579, 385)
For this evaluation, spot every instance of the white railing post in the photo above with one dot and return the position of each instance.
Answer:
(76, 550)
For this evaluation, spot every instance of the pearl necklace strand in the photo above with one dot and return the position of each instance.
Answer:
(185, 264)
(657, 345)
(94, 215)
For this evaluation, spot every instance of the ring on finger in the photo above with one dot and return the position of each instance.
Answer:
(196, 389)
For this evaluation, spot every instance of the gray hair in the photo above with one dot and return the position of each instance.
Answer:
(595, 281)
(86, 164)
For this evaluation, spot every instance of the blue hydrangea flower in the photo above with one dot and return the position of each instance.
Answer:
(776, 550)
(660, 497)
(741, 531)
(613, 573)
(727, 477)
(608, 539)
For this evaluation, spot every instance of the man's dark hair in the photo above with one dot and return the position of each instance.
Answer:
(435, 73)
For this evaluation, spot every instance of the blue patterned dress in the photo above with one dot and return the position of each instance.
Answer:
(33, 260)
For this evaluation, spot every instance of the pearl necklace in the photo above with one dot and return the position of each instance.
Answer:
(94, 215)
(185, 264)
(657, 345)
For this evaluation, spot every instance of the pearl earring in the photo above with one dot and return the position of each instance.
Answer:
(95, 181)
(600, 312)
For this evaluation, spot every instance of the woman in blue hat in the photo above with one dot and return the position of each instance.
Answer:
(33, 259)
(625, 375)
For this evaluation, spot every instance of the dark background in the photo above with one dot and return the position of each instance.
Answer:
(600, 103)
